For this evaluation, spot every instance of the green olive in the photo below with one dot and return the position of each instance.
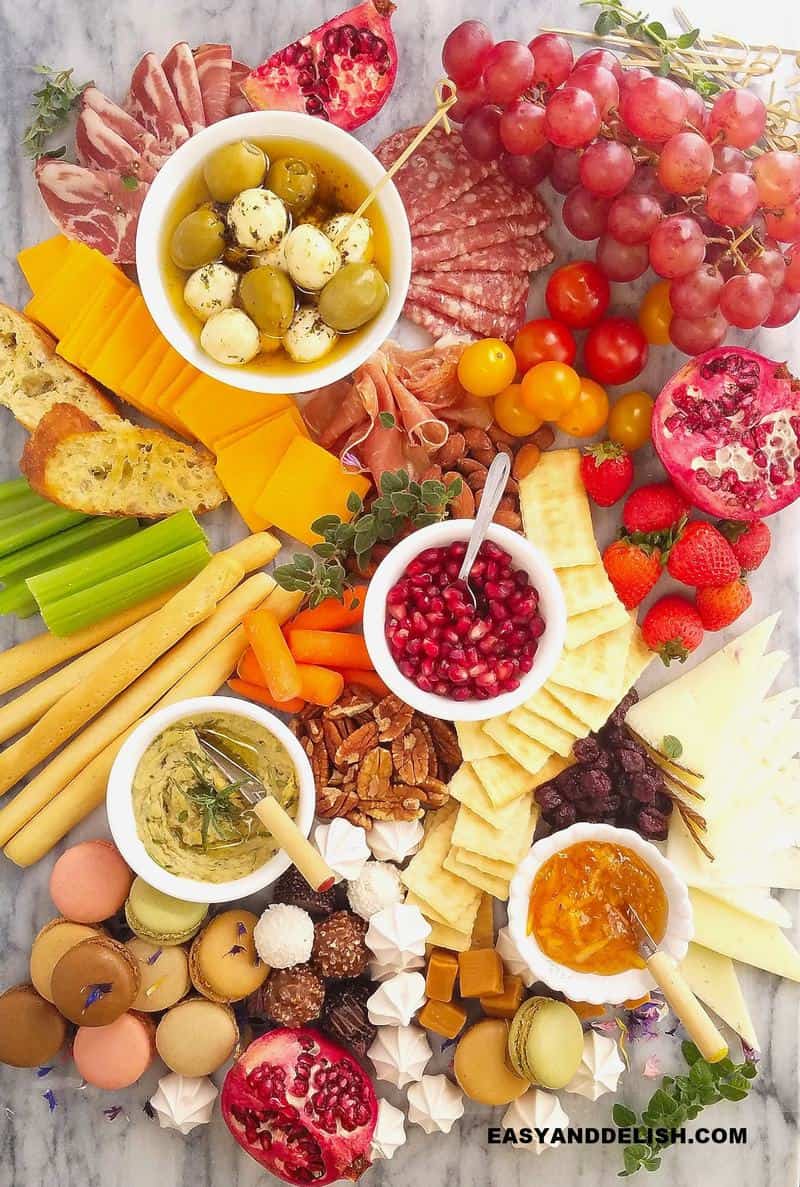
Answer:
(198, 239)
(294, 181)
(233, 168)
(355, 295)
(268, 297)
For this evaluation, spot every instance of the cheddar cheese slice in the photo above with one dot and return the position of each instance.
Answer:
(216, 412)
(40, 262)
(123, 346)
(113, 297)
(308, 483)
(60, 302)
(245, 466)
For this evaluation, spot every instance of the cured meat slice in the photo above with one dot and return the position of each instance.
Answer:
(92, 205)
(430, 249)
(181, 72)
(501, 291)
(436, 323)
(125, 126)
(521, 255)
(438, 173)
(151, 101)
(487, 322)
(490, 199)
(213, 64)
(99, 146)
(238, 104)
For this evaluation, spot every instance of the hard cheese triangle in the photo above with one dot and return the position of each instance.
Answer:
(723, 929)
(712, 978)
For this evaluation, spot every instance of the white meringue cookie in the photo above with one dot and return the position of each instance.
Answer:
(344, 847)
(378, 971)
(183, 1102)
(510, 955)
(600, 1068)
(537, 1109)
(390, 1131)
(400, 1054)
(377, 886)
(395, 840)
(396, 1000)
(397, 936)
(435, 1104)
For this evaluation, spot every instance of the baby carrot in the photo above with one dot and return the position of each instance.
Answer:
(321, 686)
(274, 657)
(330, 649)
(370, 680)
(249, 669)
(255, 692)
(333, 614)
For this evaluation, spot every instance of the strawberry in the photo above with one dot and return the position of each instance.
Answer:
(656, 507)
(750, 542)
(633, 569)
(673, 628)
(719, 606)
(607, 472)
(701, 556)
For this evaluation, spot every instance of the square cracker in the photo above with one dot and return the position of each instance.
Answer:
(488, 883)
(444, 936)
(473, 833)
(585, 587)
(466, 787)
(430, 913)
(504, 779)
(474, 742)
(449, 895)
(555, 510)
(542, 730)
(529, 754)
(594, 711)
(499, 869)
(545, 705)
(594, 623)
(598, 667)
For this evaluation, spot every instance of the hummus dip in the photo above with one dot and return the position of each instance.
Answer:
(190, 818)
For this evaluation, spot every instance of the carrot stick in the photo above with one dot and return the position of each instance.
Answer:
(330, 649)
(370, 680)
(274, 657)
(254, 692)
(332, 614)
(249, 669)
(321, 686)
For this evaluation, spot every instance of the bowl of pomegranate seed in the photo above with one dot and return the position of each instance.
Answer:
(450, 656)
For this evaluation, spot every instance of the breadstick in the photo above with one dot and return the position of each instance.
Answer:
(284, 603)
(88, 789)
(131, 705)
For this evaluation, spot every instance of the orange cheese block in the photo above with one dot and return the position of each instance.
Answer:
(123, 346)
(174, 390)
(108, 305)
(246, 465)
(308, 483)
(216, 412)
(39, 263)
(168, 369)
(135, 384)
(60, 302)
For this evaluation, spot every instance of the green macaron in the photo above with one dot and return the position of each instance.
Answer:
(153, 915)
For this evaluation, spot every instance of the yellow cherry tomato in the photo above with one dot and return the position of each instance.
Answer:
(512, 415)
(487, 368)
(589, 412)
(550, 389)
(629, 420)
(655, 313)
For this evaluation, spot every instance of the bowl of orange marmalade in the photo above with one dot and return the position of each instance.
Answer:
(567, 911)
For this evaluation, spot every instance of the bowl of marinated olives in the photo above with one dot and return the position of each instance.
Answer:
(254, 261)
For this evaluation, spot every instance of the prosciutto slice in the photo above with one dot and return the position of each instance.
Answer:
(92, 205)
(213, 64)
(99, 146)
(150, 101)
(125, 126)
(181, 71)
(238, 104)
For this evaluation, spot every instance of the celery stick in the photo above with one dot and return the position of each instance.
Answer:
(18, 599)
(27, 527)
(79, 610)
(25, 501)
(56, 550)
(12, 489)
(122, 556)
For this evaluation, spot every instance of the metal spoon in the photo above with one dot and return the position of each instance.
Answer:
(493, 491)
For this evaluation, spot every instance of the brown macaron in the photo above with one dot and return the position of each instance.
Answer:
(223, 962)
(95, 982)
(55, 938)
(32, 1031)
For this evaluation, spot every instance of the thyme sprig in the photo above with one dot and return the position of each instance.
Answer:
(215, 803)
(614, 17)
(50, 109)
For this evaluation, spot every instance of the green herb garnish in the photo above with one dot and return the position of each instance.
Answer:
(50, 110)
(215, 803)
(671, 747)
(638, 26)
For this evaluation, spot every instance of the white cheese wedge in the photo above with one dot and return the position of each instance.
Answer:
(752, 900)
(712, 978)
(723, 929)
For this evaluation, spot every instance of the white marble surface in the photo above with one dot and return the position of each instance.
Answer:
(77, 1146)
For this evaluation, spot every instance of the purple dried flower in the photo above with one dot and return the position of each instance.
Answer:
(113, 1112)
(148, 1110)
(96, 992)
(152, 959)
(751, 1055)
(41, 1072)
(235, 950)
(241, 930)
(50, 1097)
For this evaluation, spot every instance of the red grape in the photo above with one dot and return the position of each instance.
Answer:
(730, 160)
(606, 167)
(469, 98)
(600, 83)
(777, 177)
(784, 224)
(697, 293)
(686, 163)
(572, 118)
(633, 217)
(737, 117)
(552, 57)
(769, 263)
(654, 108)
(585, 214)
(631, 75)
(565, 170)
(507, 71)
(785, 308)
(464, 52)
(697, 112)
(528, 171)
(522, 127)
(793, 268)
(604, 58)
(678, 246)
(731, 198)
(481, 134)
(694, 335)
(622, 261)
(745, 301)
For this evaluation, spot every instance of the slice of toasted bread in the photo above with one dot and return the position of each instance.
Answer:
(118, 470)
(33, 378)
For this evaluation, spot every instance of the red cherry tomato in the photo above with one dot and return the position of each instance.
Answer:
(544, 341)
(615, 351)
(578, 294)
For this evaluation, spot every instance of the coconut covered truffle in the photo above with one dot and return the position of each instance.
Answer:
(339, 950)
(377, 886)
(284, 936)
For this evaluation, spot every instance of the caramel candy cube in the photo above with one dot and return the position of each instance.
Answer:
(440, 978)
(505, 1004)
(443, 1018)
(480, 972)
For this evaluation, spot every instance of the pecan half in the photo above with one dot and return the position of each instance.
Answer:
(335, 801)
(445, 741)
(354, 747)
(393, 717)
(433, 793)
(412, 756)
(374, 775)
(333, 737)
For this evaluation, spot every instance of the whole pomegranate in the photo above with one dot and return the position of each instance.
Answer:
(727, 429)
(301, 1106)
(343, 71)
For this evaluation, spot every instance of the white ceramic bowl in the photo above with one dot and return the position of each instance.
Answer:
(525, 556)
(119, 801)
(262, 125)
(594, 987)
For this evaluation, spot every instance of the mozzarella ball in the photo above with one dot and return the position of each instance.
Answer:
(356, 246)
(230, 337)
(210, 289)
(311, 258)
(274, 258)
(258, 219)
(308, 338)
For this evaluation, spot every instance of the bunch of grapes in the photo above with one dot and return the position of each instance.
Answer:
(658, 177)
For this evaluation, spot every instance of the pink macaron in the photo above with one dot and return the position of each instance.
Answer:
(115, 1056)
(90, 882)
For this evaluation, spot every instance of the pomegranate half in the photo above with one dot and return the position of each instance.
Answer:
(301, 1106)
(727, 429)
(343, 71)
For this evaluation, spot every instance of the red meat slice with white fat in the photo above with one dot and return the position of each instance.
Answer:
(436, 323)
(428, 250)
(93, 205)
(490, 199)
(99, 146)
(501, 291)
(124, 125)
(520, 255)
(490, 323)
(437, 173)
(213, 64)
(238, 104)
(150, 101)
(181, 71)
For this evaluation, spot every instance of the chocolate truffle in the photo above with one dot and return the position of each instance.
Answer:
(345, 1016)
(293, 889)
(96, 982)
(293, 997)
(339, 950)
(32, 1031)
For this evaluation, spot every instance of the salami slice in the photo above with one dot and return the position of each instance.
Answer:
(428, 250)
(438, 173)
(238, 104)
(487, 322)
(213, 62)
(182, 76)
(99, 146)
(521, 255)
(501, 291)
(490, 199)
(151, 102)
(92, 205)
(124, 125)
(436, 323)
